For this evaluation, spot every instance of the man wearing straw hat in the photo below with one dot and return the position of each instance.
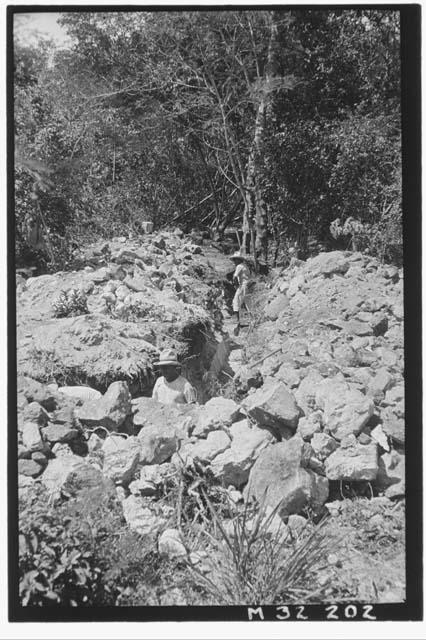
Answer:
(171, 387)
(241, 278)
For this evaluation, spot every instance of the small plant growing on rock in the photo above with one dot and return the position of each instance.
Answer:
(70, 303)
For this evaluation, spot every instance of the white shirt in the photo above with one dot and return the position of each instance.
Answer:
(242, 274)
(180, 391)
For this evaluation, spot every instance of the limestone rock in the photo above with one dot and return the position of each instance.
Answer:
(379, 436)
(388, 357)
(157, 443)
(34, 391)
(113, 443)
(81, 394)
(40, 458)
(358, 328)
(289, 375)
(59, 470)
(295, 285)
(207, 450)
(140, 518)
(305, 394)
(279, 304)
(327, 264)
(280, 476)
(121, 465)
(86, 476)
(61, 449)
(151, 477)
(273, 407)
(381, 382)
(217, 413)
(29, 468)
(233, 466)
(110, 411)
(346, 410)
(35, 413)
(296, 525)
(59, 433)
(323, 445)
(357, 462)
(94, 443)
(310, 425)
(345, 356)
(150, 413)
(391, 476)
(393, 426)
(31, 437)
(394, 395)
(170, 544)
(247, 378)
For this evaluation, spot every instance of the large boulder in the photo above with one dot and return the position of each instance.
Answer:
(279, 304)
(59, 433)
(150, 413)
(120, 465)
(305, 394)
(217, 413)
(233, 466)
(30, 390)
(353, 463)
(91, 346)
(140, 518)
(280, 477)
(113, 443)
(274, 407)
(158, 443)
(87, 477)
(34, 412)
(346, 409)
(206, 450)
(110, 411)
(327, 264)
(80, 394)
(60, 470)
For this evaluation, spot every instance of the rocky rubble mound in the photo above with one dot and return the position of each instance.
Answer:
(335, 323)
(141, 295)
(325, 412)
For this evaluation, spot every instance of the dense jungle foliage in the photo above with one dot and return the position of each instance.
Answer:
(276, 122)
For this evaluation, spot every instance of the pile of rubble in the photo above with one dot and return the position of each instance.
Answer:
(142, 295)
(326, 408)
(335, 327)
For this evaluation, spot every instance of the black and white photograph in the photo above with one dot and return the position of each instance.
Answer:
(213, 237)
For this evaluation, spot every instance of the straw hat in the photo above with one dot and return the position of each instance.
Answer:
(238, 254)
(168, 357)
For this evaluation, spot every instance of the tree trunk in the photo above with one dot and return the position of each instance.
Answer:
(255, 213)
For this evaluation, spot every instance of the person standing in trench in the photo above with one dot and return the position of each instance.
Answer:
(241, 278)
(171, 387)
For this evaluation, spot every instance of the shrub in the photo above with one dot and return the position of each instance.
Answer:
(70, 303)
(79, 552)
